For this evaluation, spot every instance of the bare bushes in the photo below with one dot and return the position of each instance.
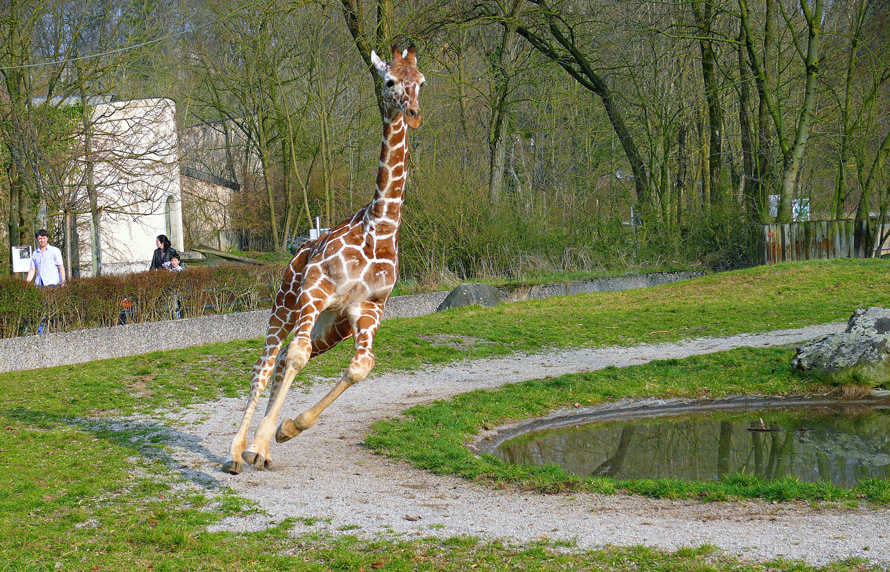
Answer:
(144, 297)
(720, 241)
(451, 232)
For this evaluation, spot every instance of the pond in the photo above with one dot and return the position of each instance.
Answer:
(839, 442)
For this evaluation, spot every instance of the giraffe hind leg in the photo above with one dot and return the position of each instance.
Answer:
(363, 327)
(330, 330)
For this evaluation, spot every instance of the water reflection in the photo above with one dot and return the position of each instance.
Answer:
(842, 447)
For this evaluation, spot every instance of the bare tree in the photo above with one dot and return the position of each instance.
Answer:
(504, 63)
(557, 32)
(855, 91)
(57, 58)
(240, 64)
(705, 14)
(792, 143)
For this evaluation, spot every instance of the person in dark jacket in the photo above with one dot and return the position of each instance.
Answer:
(164, 251)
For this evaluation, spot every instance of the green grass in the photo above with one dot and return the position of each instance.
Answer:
(78, 493)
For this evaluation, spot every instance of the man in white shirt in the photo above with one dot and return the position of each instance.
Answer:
(46, 262)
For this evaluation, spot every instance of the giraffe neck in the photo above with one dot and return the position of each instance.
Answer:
(385, 211)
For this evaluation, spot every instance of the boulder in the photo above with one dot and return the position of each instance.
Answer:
(870, 320)
(472, 294)
(860, 355)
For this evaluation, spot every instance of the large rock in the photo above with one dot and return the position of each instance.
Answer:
(870, 320)
(472, 294)
(860, 355)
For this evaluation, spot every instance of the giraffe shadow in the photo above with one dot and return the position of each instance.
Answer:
(143, 438)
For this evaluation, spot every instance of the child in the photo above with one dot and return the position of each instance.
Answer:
(175, 265)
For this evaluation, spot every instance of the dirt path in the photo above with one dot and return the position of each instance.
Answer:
(327, 475)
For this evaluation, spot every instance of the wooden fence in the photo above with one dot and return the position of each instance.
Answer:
(816, 240)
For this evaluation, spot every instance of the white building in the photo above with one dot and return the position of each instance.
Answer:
(134, 154)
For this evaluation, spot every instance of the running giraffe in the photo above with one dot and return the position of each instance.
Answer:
(337, 286)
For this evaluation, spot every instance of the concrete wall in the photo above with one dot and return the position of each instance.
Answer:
(67, 348)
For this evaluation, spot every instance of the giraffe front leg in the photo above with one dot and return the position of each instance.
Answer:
(281, 322)
(276, 387)
(257, 454)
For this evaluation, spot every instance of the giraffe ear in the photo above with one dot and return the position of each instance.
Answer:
(410, 55)
(382, 66)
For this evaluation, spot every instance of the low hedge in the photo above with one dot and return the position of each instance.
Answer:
(19, 302)
(129, 298)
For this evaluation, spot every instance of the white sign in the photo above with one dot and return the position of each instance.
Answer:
(314, 233)
(21, 258)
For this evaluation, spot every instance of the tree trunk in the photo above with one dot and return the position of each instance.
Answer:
(90, 183)
(270, 194)
(877, 167)
(326, 160)
(712, 97)
(573, 61)
(288, 174)
(503, 72)
(753, 190)
(840, 185)
(14, 223)
(802, 133)
(383, 37)
(680, 185)
(69, 227)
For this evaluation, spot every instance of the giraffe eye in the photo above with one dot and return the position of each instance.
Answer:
(390, 83)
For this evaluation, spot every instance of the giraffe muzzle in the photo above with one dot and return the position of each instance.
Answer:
(412, 117)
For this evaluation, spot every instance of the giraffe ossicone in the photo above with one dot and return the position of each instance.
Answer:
(337, 285)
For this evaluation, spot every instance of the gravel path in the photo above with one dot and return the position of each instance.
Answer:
(327, 474)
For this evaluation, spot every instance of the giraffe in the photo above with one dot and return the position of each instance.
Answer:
(337, 286)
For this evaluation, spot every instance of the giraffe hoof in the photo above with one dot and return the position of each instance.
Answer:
(256, 459)
(232, 467)
(286, 431)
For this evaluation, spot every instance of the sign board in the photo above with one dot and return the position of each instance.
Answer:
(800, 210)
(21, 258)
(314, 233)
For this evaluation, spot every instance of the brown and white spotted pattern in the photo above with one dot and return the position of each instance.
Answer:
(336, 287)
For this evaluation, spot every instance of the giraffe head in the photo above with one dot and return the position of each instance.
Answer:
(401, 83)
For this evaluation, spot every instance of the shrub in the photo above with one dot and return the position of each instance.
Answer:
(19, 307)
(130, 298)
